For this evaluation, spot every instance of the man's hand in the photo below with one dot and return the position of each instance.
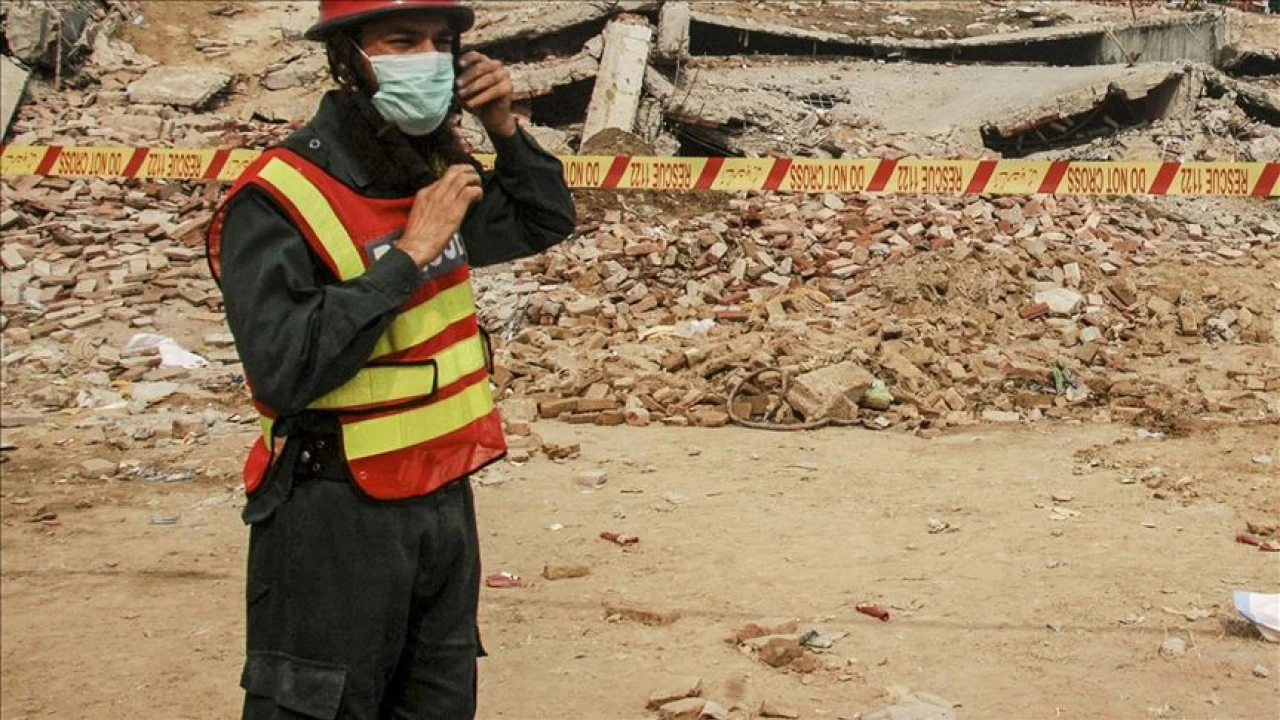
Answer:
(437, 213)
(485, 89)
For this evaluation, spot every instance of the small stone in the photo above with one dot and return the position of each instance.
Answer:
(1001, 416)
(1159, 306)
(714, 711)
(584, 306)
(637, 415)
(1261, 671)
(95, 468)
(152, 392)
(778, 651)
(685, 709)
(592, 479)
(643, 615)
(188, 426)
(675, 498)
(1062, 302)
(676, 689)
(771, 709)
(1173, 648)
(709, 418)
(565, 572)
(1063, 497)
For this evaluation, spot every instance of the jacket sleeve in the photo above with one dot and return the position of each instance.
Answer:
(299, 333)
(527, 206)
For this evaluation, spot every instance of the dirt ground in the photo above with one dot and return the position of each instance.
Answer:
(1014, 614)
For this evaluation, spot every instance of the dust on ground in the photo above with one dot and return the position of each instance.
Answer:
(1010, 613)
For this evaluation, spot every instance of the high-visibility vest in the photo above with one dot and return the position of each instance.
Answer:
(420, 413)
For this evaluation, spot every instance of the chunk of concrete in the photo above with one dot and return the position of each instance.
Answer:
(296, 74)
(832, 391)
(1062, 302)
(191, 86)
(13, 82)
(615, 102)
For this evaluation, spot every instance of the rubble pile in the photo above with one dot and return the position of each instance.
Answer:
(1213, 130)
(966, 309)
(911, 312)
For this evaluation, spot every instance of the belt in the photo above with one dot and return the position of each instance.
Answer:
(319, 458)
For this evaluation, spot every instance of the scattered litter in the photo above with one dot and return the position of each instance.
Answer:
(617, 539)
(504, 580)
(163, 520)
(1262, 460)
(1144, 434)
(1261, 609)
(556, 527)
(1263, 545)
(818, 640)
(172, 355)
(874, 610)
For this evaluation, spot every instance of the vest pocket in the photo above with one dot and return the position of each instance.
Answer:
(311, 688)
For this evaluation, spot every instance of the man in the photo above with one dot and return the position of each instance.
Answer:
(343, 257)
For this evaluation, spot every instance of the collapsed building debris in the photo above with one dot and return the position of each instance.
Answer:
(1141, 97)
(921, 313)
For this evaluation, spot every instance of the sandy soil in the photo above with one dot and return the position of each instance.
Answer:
(1013, 614)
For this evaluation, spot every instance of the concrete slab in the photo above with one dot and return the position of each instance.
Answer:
(192, 86)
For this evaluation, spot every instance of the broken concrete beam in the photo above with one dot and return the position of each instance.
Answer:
(532, 81)
(754, 26)
(673, 30)
(616, 99)
(193, 86)
(658, 86)
(546, 19)
(13, 82)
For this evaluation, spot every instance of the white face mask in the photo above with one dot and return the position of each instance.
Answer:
(415, 90)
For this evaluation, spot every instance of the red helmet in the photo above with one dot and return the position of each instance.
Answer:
(336, 14)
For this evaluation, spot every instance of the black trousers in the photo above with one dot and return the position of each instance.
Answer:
(358, 609)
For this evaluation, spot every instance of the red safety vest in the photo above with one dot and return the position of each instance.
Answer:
(420, 413)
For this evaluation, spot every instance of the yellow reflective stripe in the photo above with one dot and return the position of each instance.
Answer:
(423, 322)
(267, 424)
(389, 383)
(367, 438)
(319, 214)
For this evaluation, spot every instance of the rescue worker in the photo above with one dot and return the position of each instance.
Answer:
(344, 258)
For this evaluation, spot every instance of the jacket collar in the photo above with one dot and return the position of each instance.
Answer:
(365, 151)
